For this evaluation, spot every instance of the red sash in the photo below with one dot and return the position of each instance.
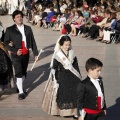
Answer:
(24, 49)
(90, 111)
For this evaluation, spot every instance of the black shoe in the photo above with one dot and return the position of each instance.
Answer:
(21, 96)
(25, 92)
(90, 38)
(98, 40)
(108, 42)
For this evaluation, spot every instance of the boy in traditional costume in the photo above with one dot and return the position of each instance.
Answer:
(91, 99)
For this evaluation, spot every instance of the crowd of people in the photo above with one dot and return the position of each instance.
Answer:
(93, 20)
(98, 20)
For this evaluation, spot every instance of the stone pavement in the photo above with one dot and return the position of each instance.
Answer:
(30, 109)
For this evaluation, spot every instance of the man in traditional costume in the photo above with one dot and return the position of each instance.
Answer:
(18, 40)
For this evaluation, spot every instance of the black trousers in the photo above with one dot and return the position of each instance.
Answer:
(94, 31)
(100, 116)
(85, 30)
(20, 64)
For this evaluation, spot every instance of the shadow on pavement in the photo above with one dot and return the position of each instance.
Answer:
(47, 51)
(113, 112)
(38, 76)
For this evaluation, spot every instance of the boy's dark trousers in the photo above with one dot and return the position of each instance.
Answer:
(100, 116)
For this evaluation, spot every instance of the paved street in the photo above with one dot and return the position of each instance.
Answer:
(30, 109)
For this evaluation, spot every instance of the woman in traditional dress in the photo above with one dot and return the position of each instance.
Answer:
(6, 72)
(60, 94)
(1, 32)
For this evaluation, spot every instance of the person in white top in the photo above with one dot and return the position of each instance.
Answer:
(22, 5)
(13, 4)
(63, 6)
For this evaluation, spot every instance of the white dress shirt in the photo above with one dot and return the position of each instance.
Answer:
(22, 31)
(97, 86)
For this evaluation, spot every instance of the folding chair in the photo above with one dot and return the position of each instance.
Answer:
(52, 21)
(78, 30)
(115, 38)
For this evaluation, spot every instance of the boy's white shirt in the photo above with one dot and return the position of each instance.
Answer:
(97, 86)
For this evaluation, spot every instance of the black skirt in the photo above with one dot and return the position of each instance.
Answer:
(5, 68)
(68, 82)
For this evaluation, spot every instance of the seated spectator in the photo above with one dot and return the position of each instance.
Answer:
(69, 4)
(100, 10)
(86, 13)
(42, 16)
(118, 3)
(47, 9)
(35, 16)
(117, 27)
(94, 30)
(104, 4)
(85, 4)
(71, 17)
(108, 28)
(48, 17)
(111, 6)
(85, 28)
(61, 20)
(63, 6)
(95, 17)
(78, 22)
(55, 5)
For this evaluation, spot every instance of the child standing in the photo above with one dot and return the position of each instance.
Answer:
(91, 99)
(60, 96)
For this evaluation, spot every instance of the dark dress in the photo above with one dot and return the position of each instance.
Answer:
(67, 92)
(61, 100)
(6, 72)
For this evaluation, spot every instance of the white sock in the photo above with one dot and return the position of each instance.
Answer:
(20, 85)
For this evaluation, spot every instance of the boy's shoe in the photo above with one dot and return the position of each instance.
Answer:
(21, 96)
